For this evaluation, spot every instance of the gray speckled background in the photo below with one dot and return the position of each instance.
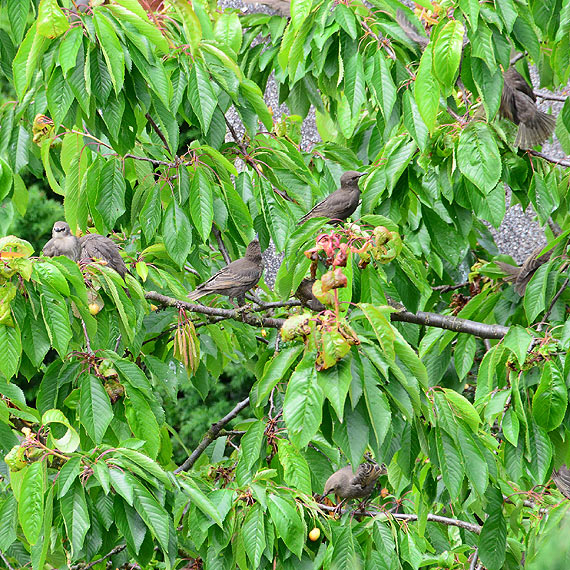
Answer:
(518, 235)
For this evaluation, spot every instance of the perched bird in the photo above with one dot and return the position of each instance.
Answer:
(518, 101)
(63, 242)
(521, 275)
(341, 203)
(561, 478)
(95, 246)
(518, 104)
(235, 279)
(348, 485)
(305, 294)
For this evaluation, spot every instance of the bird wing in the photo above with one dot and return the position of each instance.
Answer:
(561, 478)
(238, 273)
(330, 207)
(516, 81)
(410, 30)
(50, 248)
(101, 247)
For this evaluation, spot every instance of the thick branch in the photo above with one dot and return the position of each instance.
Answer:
(451, 323)
(447, 288)
(544, 94)
(472, 527)
(237, 314)
(211, 435)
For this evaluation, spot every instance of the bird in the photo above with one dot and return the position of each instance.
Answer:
(235, 279)
(518, 101)
(518, 105)
(63, 242)
(561, 478)
(89, 246)
(305, 294)
(521, 275)
(349, 485)
(341, 203)
(95, 246)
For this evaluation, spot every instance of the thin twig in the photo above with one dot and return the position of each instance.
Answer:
(158, 131)
(547, 95)
(115, 550)
(473, 564)
(221, 245)
(559, 161)
(380, 40)
(552, 303)
(6, 561)
(516, 57)
(447, 288)
(211, 435)
(87, 343)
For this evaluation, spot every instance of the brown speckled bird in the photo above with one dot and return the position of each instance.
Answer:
(561, 478)
(348, 485)
(95, 246)
(341, 203)
(521, 275)
(235, 279)
(305, 294)
(63, 242)
(518, 101)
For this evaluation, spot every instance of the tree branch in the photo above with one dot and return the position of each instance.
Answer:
(158, 131)
(447, 288)
(559, 161)
(211, 435)
(115, 550)
(6, 561)
(451, 323)
(221, 245)
(472, 527)
(544, 94)
(237, 314)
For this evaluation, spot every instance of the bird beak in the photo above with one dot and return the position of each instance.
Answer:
(360, 174)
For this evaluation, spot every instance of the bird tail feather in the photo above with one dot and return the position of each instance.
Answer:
(535, 131)
(410, 30)
(196, 294)
(512, 271)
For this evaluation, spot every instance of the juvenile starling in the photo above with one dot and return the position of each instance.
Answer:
(341, 203)
(349, 485)
(518, 101)
(521, 275)
(518, 104)
(63, 242)
(235, 279)
(305, 294)
(96, 246)
(561, 478)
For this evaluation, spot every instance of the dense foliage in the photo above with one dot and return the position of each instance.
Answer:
(125, 113)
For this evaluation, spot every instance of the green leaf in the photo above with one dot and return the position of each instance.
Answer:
(335, 382)
(152, 513)
(382, 328)
(346, 20)
(31, 502)
(302, 407)
(377, 404)
(177, 233)
(17, 12)
(475, 464)
(300, 9)
(413, 121)
(447, 52)
(508, 13)
(551, 398)
(10, 350)
(478, 156)
(253, 532)
(26, 60)
(251, 444)
(202, 501)
(493, 537)
(112, 49)
(59, 96)
(274, 370)
(464, 354)
(201, 94)
(56, 318)
(191, 23)
(95, 409)
(5, 179)
(202, 203)
(382, 85)
(75, 516)
(462, 408)
(142, 421)
(518, 341)
(426, 90)
(535, 293)
(67, 475)
(228, 31)
(111, 195)
(450, 463)
(69, 441)
(295, 467)
(288, 524)
(51, 21)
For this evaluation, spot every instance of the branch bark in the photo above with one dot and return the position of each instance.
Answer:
(559, 161)
(211, 435)
(115, 550)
